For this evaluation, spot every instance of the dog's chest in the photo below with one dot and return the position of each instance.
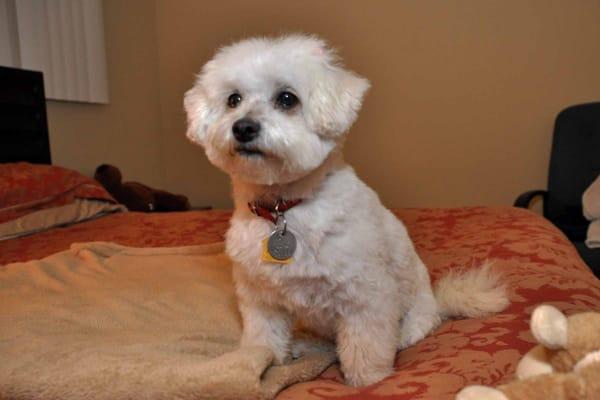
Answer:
(247, 241)
(305, 283)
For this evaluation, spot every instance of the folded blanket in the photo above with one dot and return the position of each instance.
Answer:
(104, 321)
(591, 210)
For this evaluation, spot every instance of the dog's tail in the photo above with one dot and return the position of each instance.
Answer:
(474, 293)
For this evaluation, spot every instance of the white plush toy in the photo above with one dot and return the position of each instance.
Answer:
(564, 366)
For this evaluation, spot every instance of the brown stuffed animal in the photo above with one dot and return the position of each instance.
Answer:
(564, 366)
(136, 196)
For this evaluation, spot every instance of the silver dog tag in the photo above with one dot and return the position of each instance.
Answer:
(281, 244)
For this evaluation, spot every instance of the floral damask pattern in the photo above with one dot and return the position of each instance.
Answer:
(536, 260)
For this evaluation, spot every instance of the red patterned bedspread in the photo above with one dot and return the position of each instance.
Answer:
(538, 262)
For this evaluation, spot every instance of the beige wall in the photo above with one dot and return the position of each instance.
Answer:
(125, 132)
(460, 113)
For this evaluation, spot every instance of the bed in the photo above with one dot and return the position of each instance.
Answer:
(539, 264)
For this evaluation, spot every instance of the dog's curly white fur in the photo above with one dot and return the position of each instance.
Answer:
(356, 277)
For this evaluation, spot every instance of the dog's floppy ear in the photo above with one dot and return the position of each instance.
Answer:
(336, 98)
(198, 112)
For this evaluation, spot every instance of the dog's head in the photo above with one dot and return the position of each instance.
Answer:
(269, 111)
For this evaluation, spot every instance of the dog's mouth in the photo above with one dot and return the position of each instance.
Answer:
(248, 151)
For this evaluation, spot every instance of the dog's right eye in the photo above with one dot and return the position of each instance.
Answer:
(286, 100)
(234, 100)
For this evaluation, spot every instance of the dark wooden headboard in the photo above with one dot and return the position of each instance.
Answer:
(23, 123)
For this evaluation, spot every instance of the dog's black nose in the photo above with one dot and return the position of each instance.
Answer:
(245, 130)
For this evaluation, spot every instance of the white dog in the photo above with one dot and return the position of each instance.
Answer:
(273, 114)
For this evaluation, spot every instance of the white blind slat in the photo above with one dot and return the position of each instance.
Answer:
(9, 39)
(65, 40)
(94, 35)
(81, 66)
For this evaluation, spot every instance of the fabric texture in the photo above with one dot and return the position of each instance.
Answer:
(104, 321)
(538, 262)
(77, 211)
(27, 188)
(591, 210)
(134, 229)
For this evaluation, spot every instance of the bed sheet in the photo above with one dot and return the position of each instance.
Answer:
(127, 228)
(539, 264)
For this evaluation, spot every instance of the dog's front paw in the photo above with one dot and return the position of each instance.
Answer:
(281, 355)
(281, 360)
(366, 378)
(305, 346)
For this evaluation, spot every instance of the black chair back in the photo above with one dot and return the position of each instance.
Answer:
(574, 165)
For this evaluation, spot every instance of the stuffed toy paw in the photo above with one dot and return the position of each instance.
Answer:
(565, 365)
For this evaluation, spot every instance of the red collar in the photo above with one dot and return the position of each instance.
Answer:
(267, 212)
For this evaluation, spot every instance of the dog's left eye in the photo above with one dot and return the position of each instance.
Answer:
(234, 100)
(286, 100)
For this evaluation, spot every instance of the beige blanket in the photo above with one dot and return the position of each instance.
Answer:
(591, 210)
(103, 321)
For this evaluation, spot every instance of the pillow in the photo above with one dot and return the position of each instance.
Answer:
(28, 189)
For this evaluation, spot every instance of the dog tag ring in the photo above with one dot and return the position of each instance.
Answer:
(282, 243)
